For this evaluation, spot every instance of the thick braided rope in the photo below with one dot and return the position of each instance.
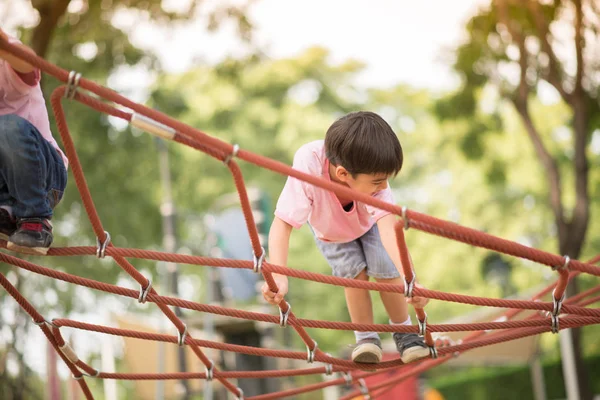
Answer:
(415, 219)
(442, 228)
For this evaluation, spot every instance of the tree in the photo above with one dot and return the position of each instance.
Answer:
(83, 36)
(515, 47)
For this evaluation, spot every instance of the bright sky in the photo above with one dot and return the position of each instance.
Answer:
(399, 40)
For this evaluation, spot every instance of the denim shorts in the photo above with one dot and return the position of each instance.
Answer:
(347, 260)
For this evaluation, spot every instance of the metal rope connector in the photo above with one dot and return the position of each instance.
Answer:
(152, 127)
(328, 367)
(227, 159)
(364, 390)
(557, 304)
(348, 378)
(97, 374)
(283, 317)
(556, 307)
(564, 266)
(181, 336)
(101, 247)
(144, 292)
(422, 325)
(68, 352)
(240, 396)
(72, 84)
(210, 371)
(405, 218)
(310, 356)
(408, 287)
(258, 261)
(433, 352)
(555, 323)
(49, 324)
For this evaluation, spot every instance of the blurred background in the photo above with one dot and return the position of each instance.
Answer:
(495, 103)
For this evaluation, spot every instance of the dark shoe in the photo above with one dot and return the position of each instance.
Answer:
(33, 236)
(367, 351)
(410, 346)
(8, 224)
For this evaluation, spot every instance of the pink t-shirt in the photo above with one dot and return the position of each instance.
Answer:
(300, 202)
(25, 99)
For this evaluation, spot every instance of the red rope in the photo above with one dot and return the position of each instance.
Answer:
(575, 307)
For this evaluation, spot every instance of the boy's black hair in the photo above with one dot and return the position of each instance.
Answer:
(363, 143)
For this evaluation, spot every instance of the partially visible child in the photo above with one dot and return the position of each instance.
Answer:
(33, 169)
(360, 151)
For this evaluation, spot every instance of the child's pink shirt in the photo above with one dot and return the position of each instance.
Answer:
(300, 202)
(25, 100)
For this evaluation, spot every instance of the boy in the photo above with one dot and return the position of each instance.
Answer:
(360, 151)
(33, 172)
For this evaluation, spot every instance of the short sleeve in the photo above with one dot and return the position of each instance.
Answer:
(22, 83)
(296, 199)
(385, 195)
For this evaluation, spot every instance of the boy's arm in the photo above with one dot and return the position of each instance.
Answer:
(279, 242)
(387, 231)
(16, 63)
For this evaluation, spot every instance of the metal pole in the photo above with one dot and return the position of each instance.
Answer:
(568, 364)
(537, 378)
(167, 210)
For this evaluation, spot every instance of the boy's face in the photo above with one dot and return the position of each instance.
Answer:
(364, 183)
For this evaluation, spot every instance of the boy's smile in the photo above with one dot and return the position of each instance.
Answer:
(364, 183)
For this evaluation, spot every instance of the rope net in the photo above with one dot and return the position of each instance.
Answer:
(552, 316)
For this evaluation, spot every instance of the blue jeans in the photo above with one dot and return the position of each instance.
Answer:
(33, 176)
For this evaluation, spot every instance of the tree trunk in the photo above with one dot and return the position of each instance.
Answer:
(50, 13)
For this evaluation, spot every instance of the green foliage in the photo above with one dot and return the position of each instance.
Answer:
(499, 383)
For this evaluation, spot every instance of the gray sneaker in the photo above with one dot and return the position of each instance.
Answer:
(367, 351)
(410, 346)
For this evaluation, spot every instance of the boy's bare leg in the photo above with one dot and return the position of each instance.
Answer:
(410, 346)
(368, 346)
(359, 302)
(394, 303)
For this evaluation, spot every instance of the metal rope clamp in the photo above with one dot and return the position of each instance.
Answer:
(49, 324)
(72, 84)
(283, 317)
(557, 305)
(258, 261)
(405, 218)
(555, 323)
(422, 325)
(210, 371)
(241, 395)
(348, 378)
(328, 367)
(433, 352)
(181, 336)
(364, 390)
(408, 287)
(310, 356)
(144, 292)
(227, 159)
(564, 266)
(101, 247)
(92, 376)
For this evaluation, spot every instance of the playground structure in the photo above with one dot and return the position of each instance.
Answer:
(441, 350)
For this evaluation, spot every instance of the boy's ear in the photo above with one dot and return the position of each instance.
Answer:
(342, 173)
